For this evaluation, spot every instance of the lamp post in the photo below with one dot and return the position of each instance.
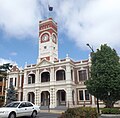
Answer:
(109, 98)
(97, 96)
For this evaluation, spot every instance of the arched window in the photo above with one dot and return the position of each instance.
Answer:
(31, 78)
(45, 77)
(60, 75)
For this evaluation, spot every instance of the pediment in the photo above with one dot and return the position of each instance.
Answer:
(44, 62)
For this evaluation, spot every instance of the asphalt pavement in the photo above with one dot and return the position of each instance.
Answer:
(48, 115)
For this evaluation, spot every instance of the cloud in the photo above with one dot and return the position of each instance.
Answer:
(91, 21)
(4, 61)
(13, 53)
(85, 21)
(19, 18)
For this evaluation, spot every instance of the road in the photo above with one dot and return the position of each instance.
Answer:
(47, 115)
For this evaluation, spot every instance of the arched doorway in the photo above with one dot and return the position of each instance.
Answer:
(45, 98)
(31, 97)
(61, 98)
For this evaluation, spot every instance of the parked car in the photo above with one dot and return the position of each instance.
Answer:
(18, 109)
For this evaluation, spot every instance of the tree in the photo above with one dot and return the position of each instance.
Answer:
(104, 82)
(11, 94)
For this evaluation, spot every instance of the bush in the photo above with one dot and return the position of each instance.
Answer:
(80, 112)
(110, 111)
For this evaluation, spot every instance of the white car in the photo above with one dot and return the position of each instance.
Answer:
(18, 109)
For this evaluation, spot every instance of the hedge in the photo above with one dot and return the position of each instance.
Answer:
(110, 111)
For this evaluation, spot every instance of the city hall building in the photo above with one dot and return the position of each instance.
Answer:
(52, 81)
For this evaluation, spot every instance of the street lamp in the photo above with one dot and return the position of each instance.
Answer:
(90, 47)
(97, 96)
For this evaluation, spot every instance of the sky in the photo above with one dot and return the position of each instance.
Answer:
(79, 22)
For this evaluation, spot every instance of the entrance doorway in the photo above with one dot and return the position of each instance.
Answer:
(45, 98)
(61, 98)
(31, 97)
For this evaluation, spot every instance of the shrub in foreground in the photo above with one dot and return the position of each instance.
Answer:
(80, 112)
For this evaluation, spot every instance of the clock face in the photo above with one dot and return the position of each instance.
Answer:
(54, 38)
(45, 37)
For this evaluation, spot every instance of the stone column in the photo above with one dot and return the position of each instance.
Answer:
(37, 96)
(3, 85)
(52, 89)
(25, 78)
(52, 97)
(20, 80)
(19, 95)
(37, 77)
(68, 74)
(69, 101)
(52, 76)
(25, 97)
(14, 81)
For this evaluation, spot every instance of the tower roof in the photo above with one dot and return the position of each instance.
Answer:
(47, 20)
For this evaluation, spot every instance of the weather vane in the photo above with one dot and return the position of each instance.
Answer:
(50, 8)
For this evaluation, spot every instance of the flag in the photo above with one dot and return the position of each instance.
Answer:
(50, 8)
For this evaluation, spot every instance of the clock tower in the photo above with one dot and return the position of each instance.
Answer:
(48, 40)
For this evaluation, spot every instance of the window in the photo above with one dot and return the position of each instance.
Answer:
(13, 104)
(28, 104)
(45, 77)
(84, 95)
(1, 79)
(62, 95)
(87, 96)
(15, 81)
(11, 81)
(60, 75)
(82, 75)
(81, 95)
(22, 105)
(31, 79)
(71, 74)
(0, 88)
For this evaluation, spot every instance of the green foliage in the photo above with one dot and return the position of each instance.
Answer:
(80, 112)
(11, 94)
(104, 82)
(110, 111)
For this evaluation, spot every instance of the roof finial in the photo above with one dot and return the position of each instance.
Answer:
(67, 56)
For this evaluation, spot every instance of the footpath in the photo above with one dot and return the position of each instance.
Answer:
(52, 111)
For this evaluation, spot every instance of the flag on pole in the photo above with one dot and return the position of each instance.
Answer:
(50, 8)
